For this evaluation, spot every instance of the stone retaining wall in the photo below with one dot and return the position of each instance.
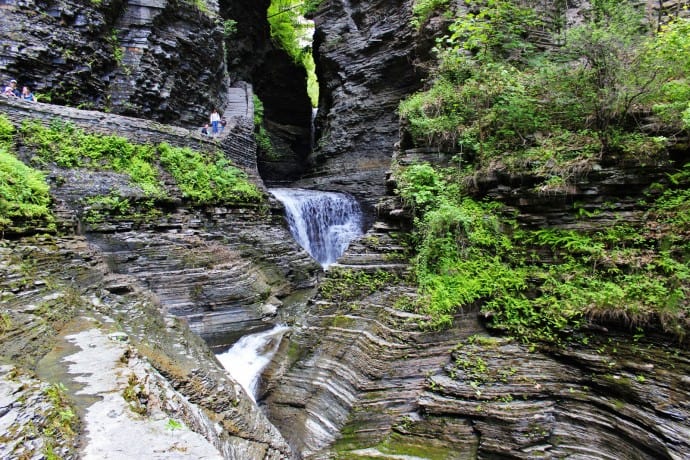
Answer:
(238, 145)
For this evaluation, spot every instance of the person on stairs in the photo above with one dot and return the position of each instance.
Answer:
(215, 121)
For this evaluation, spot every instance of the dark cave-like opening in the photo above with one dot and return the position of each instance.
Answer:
(280, 84)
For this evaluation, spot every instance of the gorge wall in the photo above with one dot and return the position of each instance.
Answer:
(357, 376)
(159, 280)
(360, 379)
(279, 82)
(161, 60)
(365, 53)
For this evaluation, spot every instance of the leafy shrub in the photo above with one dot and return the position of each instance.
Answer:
(290, 30)
(469, 253)
(229, 27)
(207, 180)
(423, 9)
(263, 140)
(24, 194)
(6, 131)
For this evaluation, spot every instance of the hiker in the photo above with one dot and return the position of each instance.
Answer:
(27, 95)
(204, 130)
(223, 122)
(215, 120)
(11, 89)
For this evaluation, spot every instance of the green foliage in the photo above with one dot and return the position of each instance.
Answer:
(118, 52)
(207, 180)
(311, 6)
(61, 419)
(70, 147)
(202, 6)
(667, 56)
(421, 187)
(293, 33)
(173, 425)
(263, 140)
(474, 107)
(423, 9)
(24, 195)
(112, 205)
(6, 132)
(494, 29)
(229, 27)
(543, 284)
(497, 101)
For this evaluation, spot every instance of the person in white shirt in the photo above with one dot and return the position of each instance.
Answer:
(215, 120)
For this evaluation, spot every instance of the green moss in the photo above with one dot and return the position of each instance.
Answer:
(343, 321)
(344, 285)
(395, 444)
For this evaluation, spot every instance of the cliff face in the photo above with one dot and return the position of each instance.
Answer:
(361, 379)
(357, 377)
(161, 60)
(364, 53)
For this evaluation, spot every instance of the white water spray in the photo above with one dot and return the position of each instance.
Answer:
(323, 223)
(247, 358)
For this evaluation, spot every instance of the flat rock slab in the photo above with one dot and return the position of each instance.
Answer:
(113, 429)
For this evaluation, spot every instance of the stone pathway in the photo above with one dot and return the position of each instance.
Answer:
(239, 108)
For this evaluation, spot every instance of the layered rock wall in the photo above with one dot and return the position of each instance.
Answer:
(224, 269)
(162, 372)
(365, 53)
(161, 60)
(359, 379)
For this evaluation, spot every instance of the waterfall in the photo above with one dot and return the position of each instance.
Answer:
(247, 358)
(323, 223)
(312, 128)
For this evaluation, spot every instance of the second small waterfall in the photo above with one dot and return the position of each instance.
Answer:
(323, 223)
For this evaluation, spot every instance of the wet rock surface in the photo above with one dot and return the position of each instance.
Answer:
(130, 275)
(358, 378)
(66, 280)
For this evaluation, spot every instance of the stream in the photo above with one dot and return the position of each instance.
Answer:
(245, 360)
(323, 223)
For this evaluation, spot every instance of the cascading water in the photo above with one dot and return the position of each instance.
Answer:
(312, 128)
(248, 357)
(323, 223)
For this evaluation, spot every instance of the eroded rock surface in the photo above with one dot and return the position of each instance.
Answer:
(64, 290)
